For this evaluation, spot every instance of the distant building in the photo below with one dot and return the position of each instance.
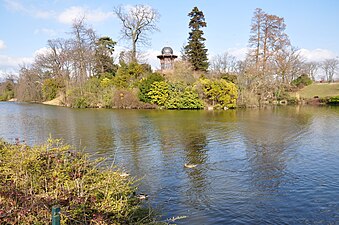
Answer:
(167, 59)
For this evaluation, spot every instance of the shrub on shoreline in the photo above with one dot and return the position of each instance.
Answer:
(33, 179)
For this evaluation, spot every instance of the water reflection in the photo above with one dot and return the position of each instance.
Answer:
(275, 166)
(269, 138)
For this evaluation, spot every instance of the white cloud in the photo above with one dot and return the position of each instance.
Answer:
(46, 31)
(42, 14)
(67, 16)
(5, 73)
(239, 53)
(149, 56)
(10, 64)
(316, 55)
(42, 51)
(16, 6)
(2, 44)
(75, 12)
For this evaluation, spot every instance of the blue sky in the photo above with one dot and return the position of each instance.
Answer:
(26, 25)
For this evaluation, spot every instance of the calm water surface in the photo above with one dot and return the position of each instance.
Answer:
(271, 166)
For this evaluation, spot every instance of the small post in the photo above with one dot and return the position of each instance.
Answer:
(55, 215)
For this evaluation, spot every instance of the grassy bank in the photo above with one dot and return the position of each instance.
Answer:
(33, 179)
(321, 90)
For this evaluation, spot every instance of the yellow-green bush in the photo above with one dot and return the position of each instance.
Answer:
(219, 92)
(33, 179)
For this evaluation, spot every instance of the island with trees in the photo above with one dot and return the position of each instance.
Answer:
(80, 72)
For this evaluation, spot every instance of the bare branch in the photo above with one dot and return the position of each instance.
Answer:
(137, 22)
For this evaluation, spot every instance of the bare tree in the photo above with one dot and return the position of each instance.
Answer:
(223, 63)
(55, 60)
(83, 49)
(137, 22)
(271, 61)
(288, 64)
(311, 68)
(30, 83)
(330, 67)
(267, 38)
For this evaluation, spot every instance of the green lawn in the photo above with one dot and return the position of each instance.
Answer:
(319, 89)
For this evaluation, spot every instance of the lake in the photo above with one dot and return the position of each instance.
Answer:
(270, 166)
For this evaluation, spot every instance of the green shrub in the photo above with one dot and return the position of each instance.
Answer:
(302, 81)
(6, 95)
(159, 92)
(51, 87)
(219, 93)
(292, 101)
(76, 98)
(333, 100)
(174, 96)
(185, 98)
(106, 82)
(6, 90)
(33, 179)
(145, 86)
(80, 102)
(229, 77)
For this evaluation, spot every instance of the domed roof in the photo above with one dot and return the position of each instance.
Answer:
(167, 51)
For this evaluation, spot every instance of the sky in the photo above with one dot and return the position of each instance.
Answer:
(27, 25)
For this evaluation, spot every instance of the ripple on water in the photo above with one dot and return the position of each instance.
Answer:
(271, 166)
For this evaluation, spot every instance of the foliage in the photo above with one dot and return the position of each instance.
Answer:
(159, 92)
(88, 96)
(33, 179)
(174, 96)
(229, 77)
(333, 100)
(122, 79)
(106, 82)
(76, 99)
(219, 93)
(302, 81)
(103, 56)
(184, 98)
(136, 70)
(128, 74)
(51, 87)
(6, 90)
(195, 50)
(145, 86)
(292, 101)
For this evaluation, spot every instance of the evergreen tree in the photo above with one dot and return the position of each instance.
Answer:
(195, 50)
(103, 56)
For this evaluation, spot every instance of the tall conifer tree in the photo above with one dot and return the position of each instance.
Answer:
(195, 50)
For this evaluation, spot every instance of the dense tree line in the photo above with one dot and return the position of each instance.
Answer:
(81, 72)
(272, 67)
